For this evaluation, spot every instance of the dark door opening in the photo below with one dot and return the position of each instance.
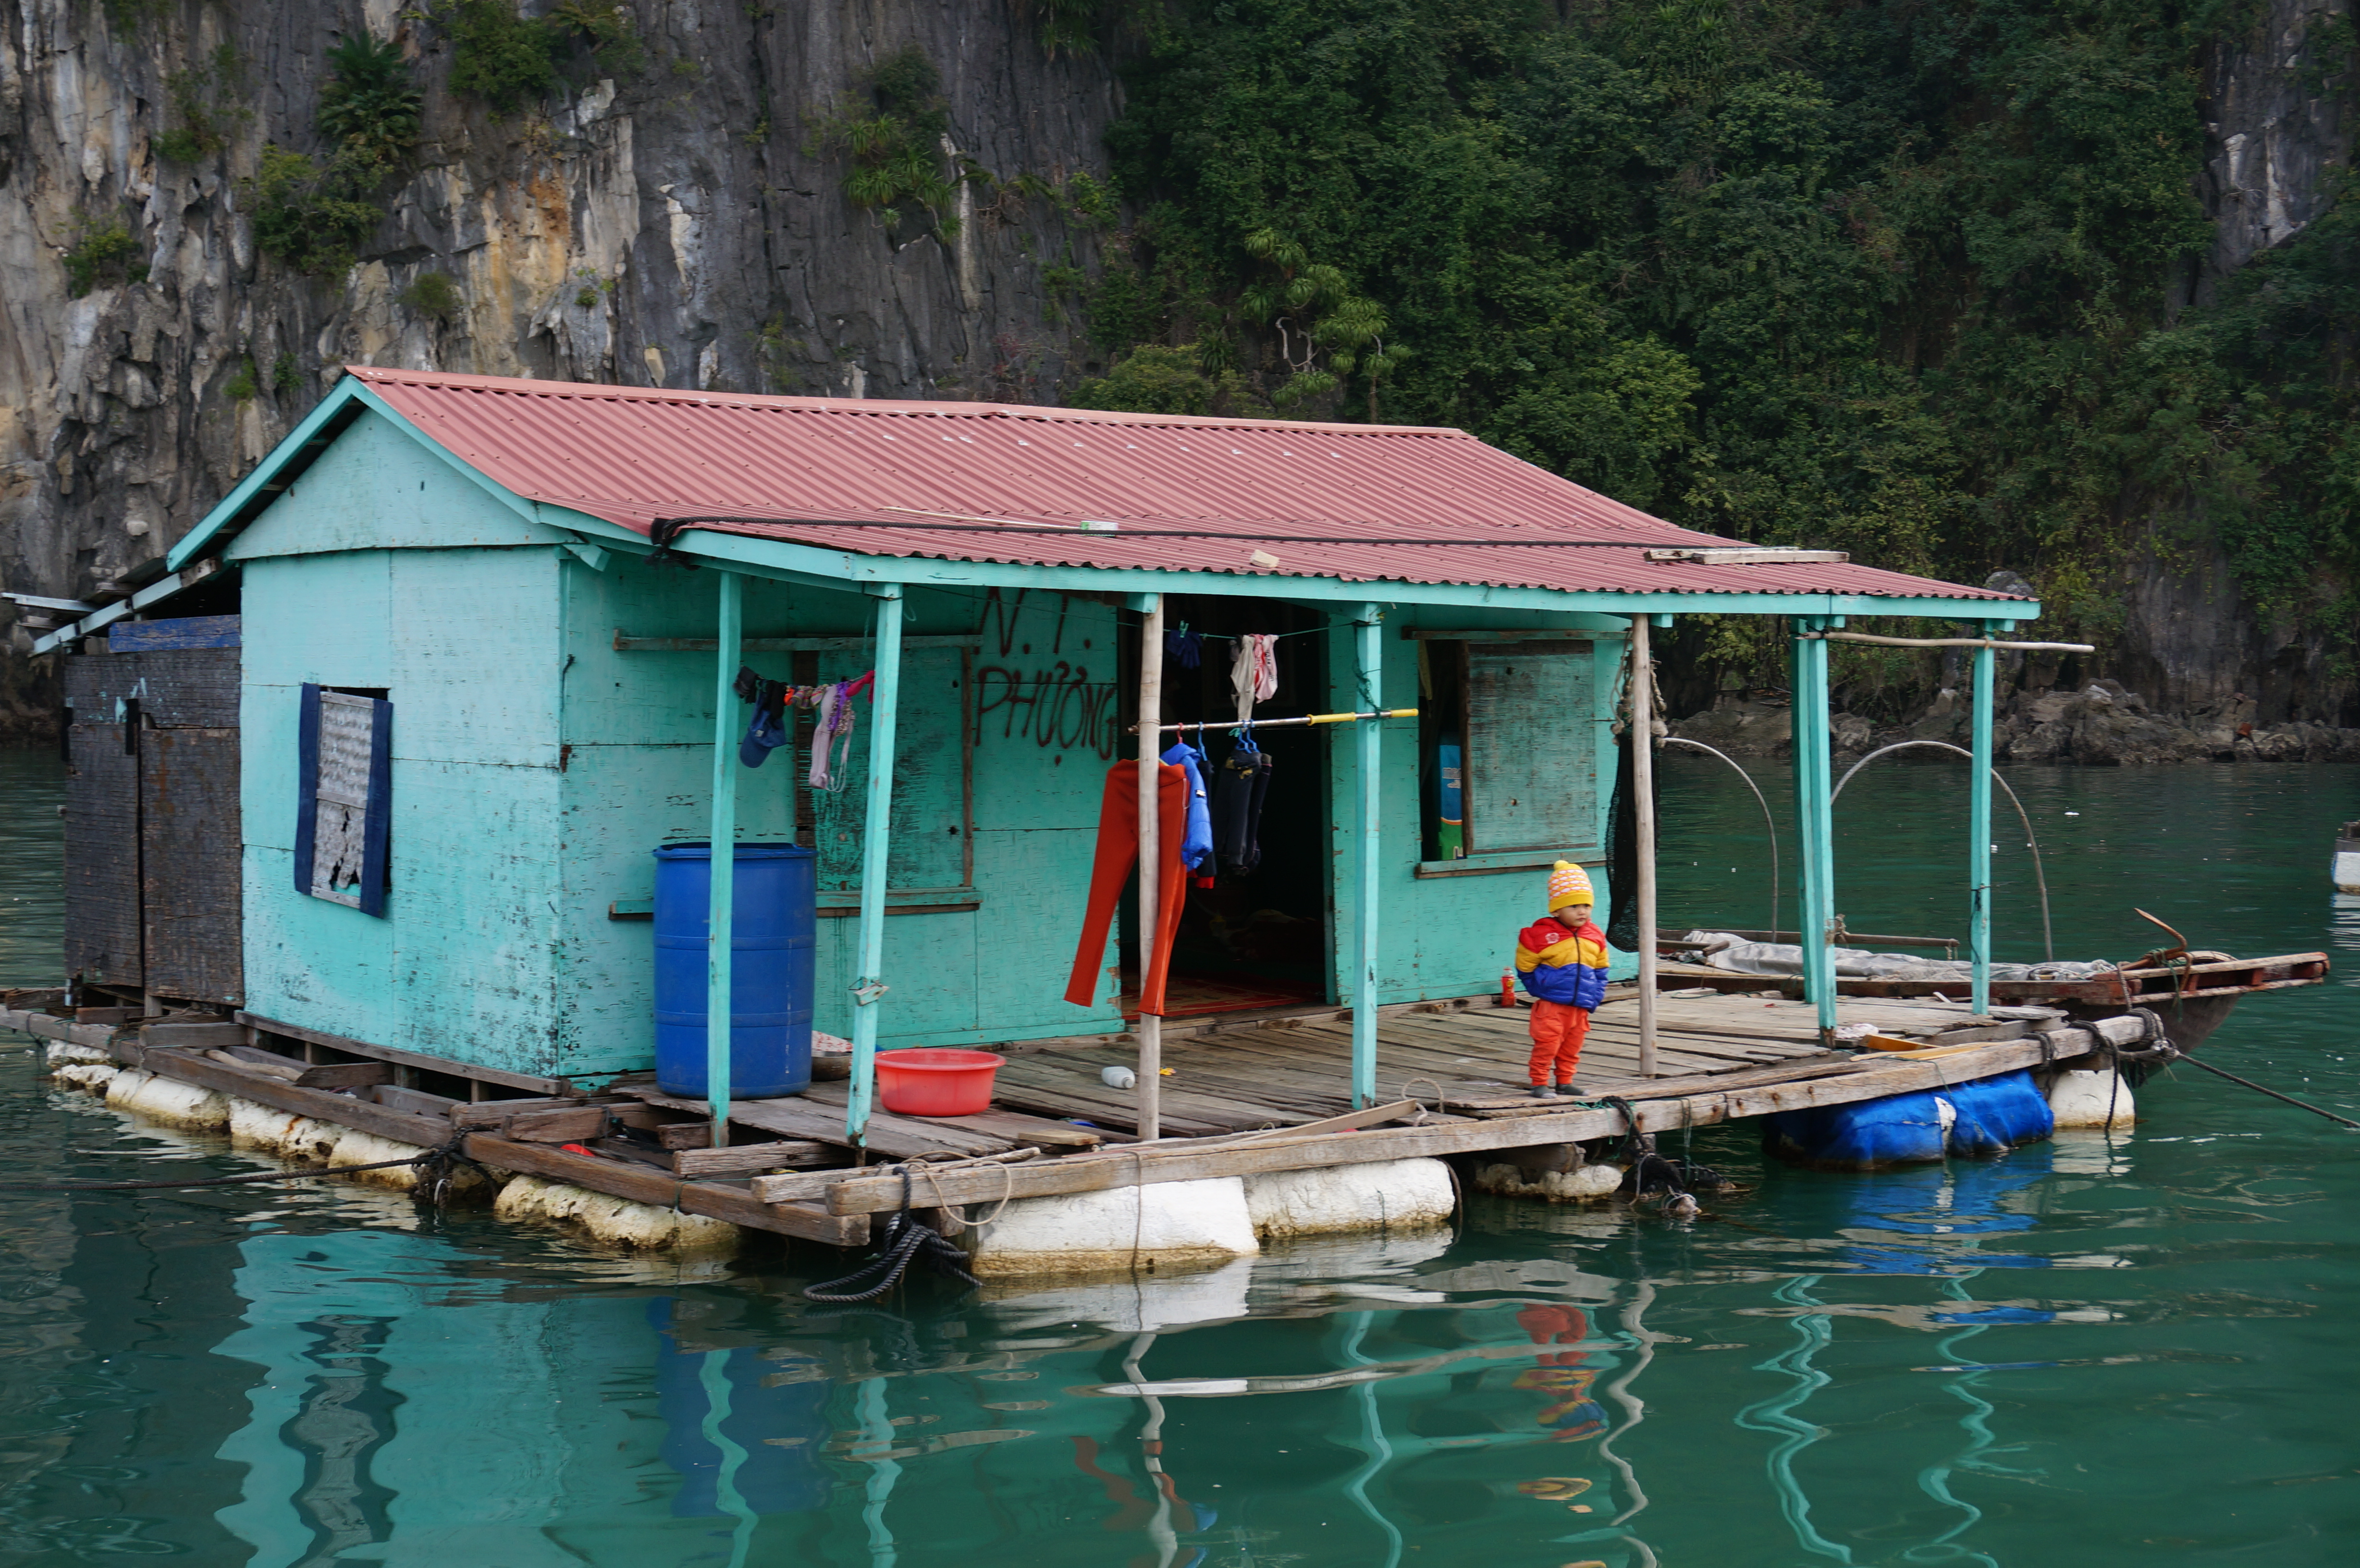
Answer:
(1258, 937)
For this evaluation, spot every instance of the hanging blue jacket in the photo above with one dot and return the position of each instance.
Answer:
(1196, 842)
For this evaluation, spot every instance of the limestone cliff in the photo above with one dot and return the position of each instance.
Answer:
(677, 213)
(683, 223)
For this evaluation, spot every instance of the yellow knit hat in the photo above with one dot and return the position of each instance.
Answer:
(1569, 884)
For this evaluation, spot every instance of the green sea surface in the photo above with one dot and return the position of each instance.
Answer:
(2136, 1349)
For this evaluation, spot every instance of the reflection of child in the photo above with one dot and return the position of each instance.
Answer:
(1563, 961)
(1561, 1378)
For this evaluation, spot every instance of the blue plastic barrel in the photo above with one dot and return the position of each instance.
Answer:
(773, 968)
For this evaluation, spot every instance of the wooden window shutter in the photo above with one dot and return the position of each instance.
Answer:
(344, 798)
(1531, 768)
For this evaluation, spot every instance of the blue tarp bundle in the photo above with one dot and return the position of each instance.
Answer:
(1990, 1116)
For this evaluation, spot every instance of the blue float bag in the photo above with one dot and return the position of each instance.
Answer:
(1997, 1113)
(1990, 1116)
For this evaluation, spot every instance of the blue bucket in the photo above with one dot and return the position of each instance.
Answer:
(773, 968)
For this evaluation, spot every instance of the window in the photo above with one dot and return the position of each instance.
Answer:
(1530, 778)
(344, 797)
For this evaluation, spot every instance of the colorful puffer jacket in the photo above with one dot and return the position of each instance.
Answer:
(1562, 962)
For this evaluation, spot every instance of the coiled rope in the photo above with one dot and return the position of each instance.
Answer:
(905, 1240)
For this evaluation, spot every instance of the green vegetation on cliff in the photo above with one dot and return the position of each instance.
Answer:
(1909, 280)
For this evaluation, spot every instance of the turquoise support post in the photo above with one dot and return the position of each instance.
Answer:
(876, 847)
(1370, 631)
(1979, 839)
(1814, 771)
(718, 932)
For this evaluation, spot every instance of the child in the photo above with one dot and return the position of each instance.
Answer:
(1563, 961)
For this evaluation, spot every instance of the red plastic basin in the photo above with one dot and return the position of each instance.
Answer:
(935, 1081)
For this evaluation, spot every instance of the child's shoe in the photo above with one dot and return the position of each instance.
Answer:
(1542, 1092)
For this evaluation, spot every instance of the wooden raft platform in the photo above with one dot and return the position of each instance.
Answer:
(1246, 1096)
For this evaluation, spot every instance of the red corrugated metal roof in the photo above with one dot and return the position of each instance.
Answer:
(806, 467)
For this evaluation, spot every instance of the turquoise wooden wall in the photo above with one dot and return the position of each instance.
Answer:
(536, 769)
(340, 589)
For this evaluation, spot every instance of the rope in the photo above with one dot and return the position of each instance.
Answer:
(1441, 1104)
(2164, 1051)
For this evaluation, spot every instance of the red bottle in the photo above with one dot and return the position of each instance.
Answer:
(1507, 988)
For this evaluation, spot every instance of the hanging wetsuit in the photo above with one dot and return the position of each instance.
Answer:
(1239, 786)
(1197, 847)
(1117, 851)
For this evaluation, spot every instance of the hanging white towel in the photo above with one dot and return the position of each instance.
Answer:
(1253, 672)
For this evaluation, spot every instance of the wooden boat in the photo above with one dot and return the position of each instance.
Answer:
(2191, 992)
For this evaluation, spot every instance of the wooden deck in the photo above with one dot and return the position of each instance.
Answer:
(1280, 1071)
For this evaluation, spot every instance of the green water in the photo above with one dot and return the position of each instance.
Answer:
(2092, 1352)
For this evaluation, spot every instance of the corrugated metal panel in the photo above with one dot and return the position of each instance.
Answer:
(807, 467)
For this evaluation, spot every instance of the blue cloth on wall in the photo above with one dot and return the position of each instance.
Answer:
(1198, 842)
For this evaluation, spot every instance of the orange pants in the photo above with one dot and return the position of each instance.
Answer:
(1557, 1033)
(1118, 852)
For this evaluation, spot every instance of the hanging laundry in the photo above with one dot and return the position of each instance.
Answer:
(832, 733)
(1239, 786)
(1184, 645)
(1117, 851)
(1253, 672)
(763, 736)
(1197, 845)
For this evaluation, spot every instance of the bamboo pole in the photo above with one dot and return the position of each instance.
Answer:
(1643, 784)
(722, 867)
(876, 860)
(1150, 824)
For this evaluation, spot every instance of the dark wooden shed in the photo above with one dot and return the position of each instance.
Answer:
(152, 839)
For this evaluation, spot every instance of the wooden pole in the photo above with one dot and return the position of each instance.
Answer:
(1371, 640)
(1151, 862)
(723, 866)
(1642, 785)
(1979, 845)
(876, 851)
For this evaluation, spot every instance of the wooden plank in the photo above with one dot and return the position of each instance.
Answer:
(195, 1036)
(643, 1185)
(190, 861)
(101, 842)
(45, 1026)
(1185, 1162)
(572, 1124)
(895, 1136)
(488, 1114)
(418, 1102)
(178, 634)
(281, 1068)
(251, 1082)
(408, 1058)
(109, 1016)
(751, 1159)
(346, 1075)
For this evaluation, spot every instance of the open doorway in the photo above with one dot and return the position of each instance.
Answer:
(1252, 936)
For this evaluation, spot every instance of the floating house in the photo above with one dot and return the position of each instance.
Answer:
(491, 634)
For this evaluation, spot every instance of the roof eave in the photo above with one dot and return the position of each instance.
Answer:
(851, 571)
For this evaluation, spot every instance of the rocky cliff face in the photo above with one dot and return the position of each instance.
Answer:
(680, 224)
(685, 222)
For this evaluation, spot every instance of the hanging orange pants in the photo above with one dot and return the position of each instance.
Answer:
(1558, 1030)
(1118, 852)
